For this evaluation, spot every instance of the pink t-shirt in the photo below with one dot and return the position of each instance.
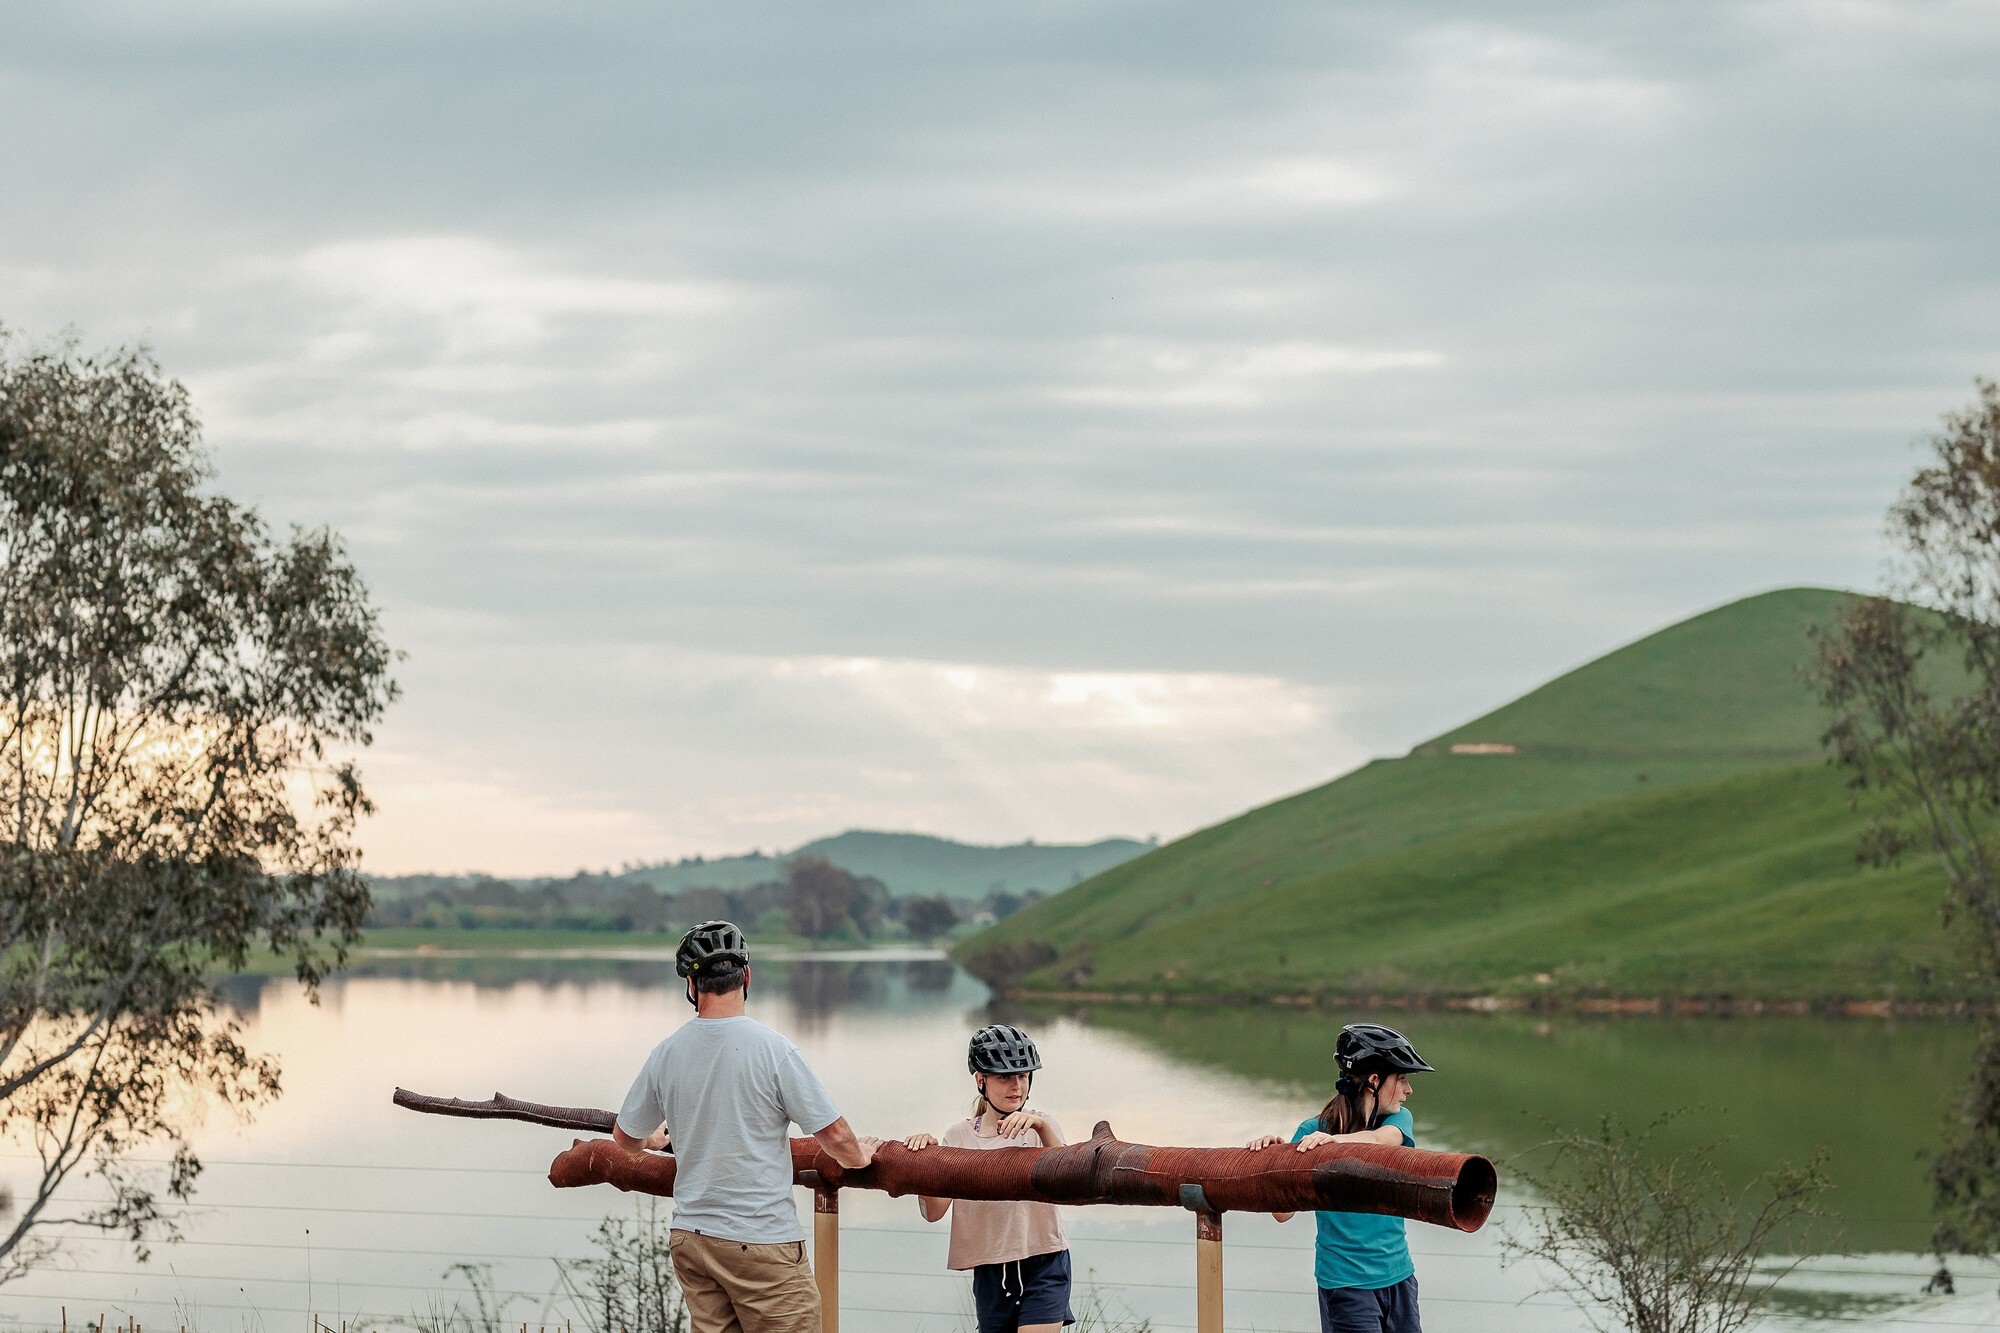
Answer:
(990, 1231)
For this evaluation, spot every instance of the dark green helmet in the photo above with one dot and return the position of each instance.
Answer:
(1002, 1049)
(709, 943)
(1368, 1048)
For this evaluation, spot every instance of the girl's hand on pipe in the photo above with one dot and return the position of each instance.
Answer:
(1021, 1122)
(918, 1142)
(1263, 1141)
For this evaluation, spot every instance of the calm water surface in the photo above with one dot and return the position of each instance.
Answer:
(334, 1202)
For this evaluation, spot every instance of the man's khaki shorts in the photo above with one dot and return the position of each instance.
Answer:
(732, 1287)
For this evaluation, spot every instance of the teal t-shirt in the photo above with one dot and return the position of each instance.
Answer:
(1366, 1250)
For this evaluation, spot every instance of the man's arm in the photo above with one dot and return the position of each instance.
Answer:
(843, 1147)
(655, 1142)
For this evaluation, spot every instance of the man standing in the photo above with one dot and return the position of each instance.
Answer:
(727, 1086)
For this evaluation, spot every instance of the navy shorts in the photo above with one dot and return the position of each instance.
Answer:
(1365, 1310)
(1028, 1291)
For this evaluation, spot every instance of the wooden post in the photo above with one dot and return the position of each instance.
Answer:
(826, 1256)
(1208, 1272)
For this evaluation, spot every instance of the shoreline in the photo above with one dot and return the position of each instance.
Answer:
(1832, 1006)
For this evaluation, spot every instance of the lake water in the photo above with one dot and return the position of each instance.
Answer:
(335, 1203)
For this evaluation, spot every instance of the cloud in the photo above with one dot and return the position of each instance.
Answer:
(1388, 355)
(1230, 375)
(712, 749)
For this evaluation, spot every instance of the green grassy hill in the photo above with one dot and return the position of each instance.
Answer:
(1745, 885)
(1715, 695)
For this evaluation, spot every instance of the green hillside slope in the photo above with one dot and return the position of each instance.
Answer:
(1744, 885)
(1720, 693)
(1727, 681)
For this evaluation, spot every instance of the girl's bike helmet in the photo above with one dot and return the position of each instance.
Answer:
(1366, 1048)
(1002, 1049)
(708, 943)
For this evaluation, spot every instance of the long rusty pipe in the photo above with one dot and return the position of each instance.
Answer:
(1446, 1189)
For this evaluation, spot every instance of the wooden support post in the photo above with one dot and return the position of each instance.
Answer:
(1208, 1272)
(826, 1256)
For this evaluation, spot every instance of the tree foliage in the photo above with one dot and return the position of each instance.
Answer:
(1654, 1242)
(928, 918)
(175, 686)
(817, 895)
(821, 899)
(1914, 689)
(1933, 753)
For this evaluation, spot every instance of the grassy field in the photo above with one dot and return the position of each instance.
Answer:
(1663, 827)
(1745, 885)
(1719, 694)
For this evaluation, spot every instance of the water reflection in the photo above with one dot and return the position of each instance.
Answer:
(241, 995)
(1772, 1089)
(814, 989)
(931, 977)
(389, 1199)
(818, 990)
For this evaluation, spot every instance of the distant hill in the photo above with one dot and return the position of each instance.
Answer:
(911, 864)
(1717, 694)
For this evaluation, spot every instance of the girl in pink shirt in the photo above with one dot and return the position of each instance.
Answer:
(1016, 1250)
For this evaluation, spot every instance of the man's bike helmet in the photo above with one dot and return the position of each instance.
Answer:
(1002, 1049)
(710, 943)
(1369, 1048)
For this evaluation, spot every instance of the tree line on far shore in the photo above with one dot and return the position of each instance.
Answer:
(812, 898)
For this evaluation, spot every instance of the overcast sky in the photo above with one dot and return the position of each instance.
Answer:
(1003, 420)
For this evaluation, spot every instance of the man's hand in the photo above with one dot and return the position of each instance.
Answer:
(843, 1147)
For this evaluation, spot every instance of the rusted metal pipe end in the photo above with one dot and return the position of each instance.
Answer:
(1473, 1193)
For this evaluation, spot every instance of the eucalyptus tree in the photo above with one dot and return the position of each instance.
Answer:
(181, 692)
(1914, 685)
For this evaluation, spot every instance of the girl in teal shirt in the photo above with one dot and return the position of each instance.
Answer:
(1361, 1261)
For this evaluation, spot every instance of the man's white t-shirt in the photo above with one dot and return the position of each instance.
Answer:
(727, 1088)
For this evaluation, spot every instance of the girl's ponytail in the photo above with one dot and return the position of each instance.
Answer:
(1346, 1112)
